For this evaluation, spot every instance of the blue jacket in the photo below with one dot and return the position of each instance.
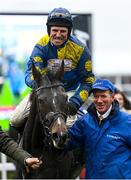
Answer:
(80, 74)
(107, 146)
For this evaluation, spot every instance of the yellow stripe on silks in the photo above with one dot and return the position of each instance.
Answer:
(72, 52)
(84, 95)
(38, 68)
(38, 59)
(31, 77)
(43, 71)
(90, 80)
(88, 65)
(44, 40)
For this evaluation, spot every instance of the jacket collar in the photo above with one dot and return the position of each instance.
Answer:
(106, 114)
(115, 108)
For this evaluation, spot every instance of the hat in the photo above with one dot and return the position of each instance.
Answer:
(103, 84)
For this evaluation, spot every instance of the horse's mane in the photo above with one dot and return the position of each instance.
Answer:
(31, 125)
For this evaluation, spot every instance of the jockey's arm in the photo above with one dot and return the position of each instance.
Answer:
(86, 79)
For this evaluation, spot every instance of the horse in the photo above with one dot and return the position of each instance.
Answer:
(45, 133)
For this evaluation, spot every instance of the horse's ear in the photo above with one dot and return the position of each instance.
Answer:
(60, 72)
(36, 74)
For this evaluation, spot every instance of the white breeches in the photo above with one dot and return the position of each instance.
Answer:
(21, 112)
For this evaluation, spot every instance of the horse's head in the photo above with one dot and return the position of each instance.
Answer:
(51, 102)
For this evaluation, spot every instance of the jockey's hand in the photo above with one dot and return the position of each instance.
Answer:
(72, 109)
(34, 163)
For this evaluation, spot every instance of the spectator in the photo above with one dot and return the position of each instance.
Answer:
(16, 79)
(124, 102)
(105, 134)
(2, 78)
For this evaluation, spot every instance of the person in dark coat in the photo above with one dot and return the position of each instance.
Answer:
(10, 148)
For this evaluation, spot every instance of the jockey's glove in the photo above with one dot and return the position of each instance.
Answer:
(72, 109)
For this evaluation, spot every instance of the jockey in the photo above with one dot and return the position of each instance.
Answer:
(57, 46)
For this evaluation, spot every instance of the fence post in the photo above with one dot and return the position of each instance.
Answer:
(5, 166)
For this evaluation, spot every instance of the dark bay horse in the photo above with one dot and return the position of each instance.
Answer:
(45, 132)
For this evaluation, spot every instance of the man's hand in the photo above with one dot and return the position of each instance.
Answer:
(72, 109)
(34, 163)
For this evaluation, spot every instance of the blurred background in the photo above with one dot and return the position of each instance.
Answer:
(104, 25)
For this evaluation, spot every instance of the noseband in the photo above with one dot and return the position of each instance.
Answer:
(48, 120)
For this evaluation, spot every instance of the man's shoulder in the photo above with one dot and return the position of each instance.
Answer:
(123, 117)
(124, 114)
(44, 40)
(77, 41)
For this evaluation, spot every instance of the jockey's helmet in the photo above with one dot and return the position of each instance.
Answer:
(59, 17)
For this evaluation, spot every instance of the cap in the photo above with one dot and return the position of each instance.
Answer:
(103, 84)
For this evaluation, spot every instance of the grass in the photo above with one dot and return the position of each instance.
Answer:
(7, 99)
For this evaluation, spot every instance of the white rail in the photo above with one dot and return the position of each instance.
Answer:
(5, 167)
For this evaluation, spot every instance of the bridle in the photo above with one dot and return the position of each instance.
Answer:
(48, 119)
(49, 86)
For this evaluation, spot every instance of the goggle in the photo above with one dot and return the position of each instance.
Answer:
(63, 15)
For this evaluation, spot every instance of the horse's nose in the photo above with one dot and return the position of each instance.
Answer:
(60, 137)
(64, 137)
(59, 140)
